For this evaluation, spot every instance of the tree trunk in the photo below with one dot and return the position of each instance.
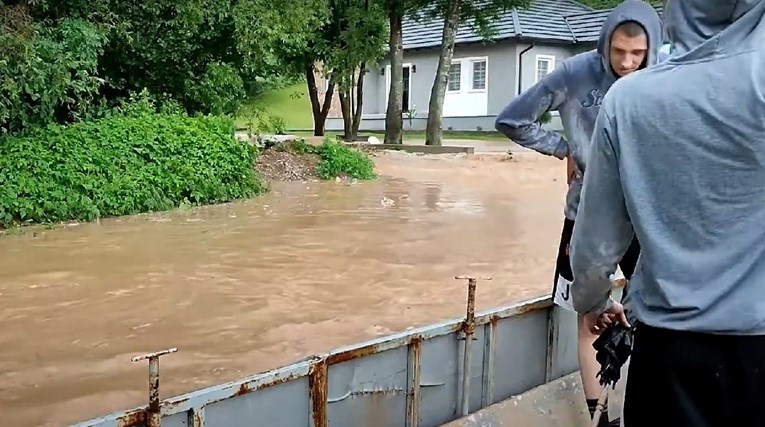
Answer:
(319, 109)
(345, 107)
(394, 120)
(359, 99)
(434, 131)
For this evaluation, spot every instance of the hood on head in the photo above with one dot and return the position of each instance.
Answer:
(640, 12)
(691, 23)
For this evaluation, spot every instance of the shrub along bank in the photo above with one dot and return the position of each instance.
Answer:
(129, 162)
(335, 159)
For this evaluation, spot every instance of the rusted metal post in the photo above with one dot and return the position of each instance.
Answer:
(153, 415)
(413, 380)
(318, 390)
(468, 328)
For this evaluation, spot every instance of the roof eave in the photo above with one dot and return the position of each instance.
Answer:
(516, 39)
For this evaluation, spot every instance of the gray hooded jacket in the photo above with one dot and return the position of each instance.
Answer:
(678, 156)
(575, 89)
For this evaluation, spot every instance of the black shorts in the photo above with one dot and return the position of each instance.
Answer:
(690, 379)
(563, 275)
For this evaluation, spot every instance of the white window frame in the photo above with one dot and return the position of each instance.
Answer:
(472, 61)
(451, 67)
(387, 84)
(550, 59)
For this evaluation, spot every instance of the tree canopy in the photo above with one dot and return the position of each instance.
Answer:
(65, 58)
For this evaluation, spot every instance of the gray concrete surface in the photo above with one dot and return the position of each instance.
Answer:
(556, 404)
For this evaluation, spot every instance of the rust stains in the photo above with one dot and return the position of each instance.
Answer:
(352, 354)
(197, 420)
(243, 389)
(174, 403)
(133, 419)
(527, 308)
(494, 319)
(413, 395)
(318, 390)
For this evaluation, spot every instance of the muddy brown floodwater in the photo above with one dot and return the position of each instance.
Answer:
(248, 286)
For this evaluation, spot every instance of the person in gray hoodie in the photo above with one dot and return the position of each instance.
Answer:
(678, 160)
(629, 40)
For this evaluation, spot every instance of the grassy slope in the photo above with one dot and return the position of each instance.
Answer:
(291, 103)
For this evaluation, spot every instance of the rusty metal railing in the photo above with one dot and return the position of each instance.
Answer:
(316, 370)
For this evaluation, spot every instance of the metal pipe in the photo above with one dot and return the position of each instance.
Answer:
(520, 67)
(468, 329)
(153, 412)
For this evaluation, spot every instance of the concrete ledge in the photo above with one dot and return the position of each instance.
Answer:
(425, 149)
(557, 404)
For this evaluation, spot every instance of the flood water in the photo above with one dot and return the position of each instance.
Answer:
(248, 286)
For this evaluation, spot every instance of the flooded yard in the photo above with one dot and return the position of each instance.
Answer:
(249, 286)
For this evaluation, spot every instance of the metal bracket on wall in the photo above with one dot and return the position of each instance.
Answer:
(153, 412)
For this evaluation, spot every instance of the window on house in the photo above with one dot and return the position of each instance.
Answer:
(545, 66)
(455, 73)
(479, 74)
(406, 95)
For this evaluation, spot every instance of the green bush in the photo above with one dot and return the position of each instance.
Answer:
(260, 121)
(220, 91)
(48, 74)
(338, 159)
(132, 161)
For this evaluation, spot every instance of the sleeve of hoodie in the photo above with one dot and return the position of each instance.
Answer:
(519, 120)
(602, 231)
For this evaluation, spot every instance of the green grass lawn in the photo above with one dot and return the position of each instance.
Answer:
(293, 105)
(420, 135)
(290, 102)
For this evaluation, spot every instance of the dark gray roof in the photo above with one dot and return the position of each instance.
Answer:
(544, 20)
(556, 21)
(585, 26)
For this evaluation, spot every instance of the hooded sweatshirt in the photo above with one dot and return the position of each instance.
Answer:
(678, 158)
(575, 89)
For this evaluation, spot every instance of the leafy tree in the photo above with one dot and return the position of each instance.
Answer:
(352, 36)
(396, 11)
(49, 72)
(480, 16)
(361, 40)
(93, 50)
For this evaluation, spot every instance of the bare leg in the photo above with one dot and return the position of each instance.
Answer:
(588, 365)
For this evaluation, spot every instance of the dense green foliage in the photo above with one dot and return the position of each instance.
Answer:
(49, 74)
(68, 59)
(134, 160)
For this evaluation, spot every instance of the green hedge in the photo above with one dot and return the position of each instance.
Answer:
(120, 165)
(337, 159)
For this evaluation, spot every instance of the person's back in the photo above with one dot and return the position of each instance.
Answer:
(678, 156)
(693, 173)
